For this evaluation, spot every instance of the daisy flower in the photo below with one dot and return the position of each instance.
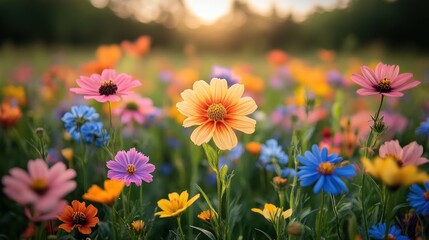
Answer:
(175, 204)
(418, 198)
(321, 168)
(272, 213)
(135, 108)
(379, 231)
(78, 216)
(385, 80)
(131, 167)
(108, 195)
(411, 154)
(217, 110)
(105, 87)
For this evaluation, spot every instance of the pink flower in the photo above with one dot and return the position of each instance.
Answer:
(385, 80)
(105, 87)
(135, 108)
(411, 154)
(38, 216)
(41, 186)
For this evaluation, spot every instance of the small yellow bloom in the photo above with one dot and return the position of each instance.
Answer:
(272, 213)
(393, 175)
(206, 215)
(138, 225)
(67, 153)
(175, 204)
(108, 195)
(253, 147)
(14, 92)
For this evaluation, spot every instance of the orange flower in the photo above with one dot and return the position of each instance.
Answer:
(217, 110)
(108, 55)
(277, 57)
(16, 93)
(137, 49)
(79, 216)
(253, 147)
(206, 215)
(108, 195)
(9, 115)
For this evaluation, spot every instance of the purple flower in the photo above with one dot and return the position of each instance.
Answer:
(131, 167)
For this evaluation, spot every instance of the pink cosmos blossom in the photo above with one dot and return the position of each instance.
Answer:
(41, 186)
(38, 216)
(105, 87)
(385, 80)
(135, 108)
(411, 154)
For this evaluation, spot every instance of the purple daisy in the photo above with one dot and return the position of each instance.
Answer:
(131, 167)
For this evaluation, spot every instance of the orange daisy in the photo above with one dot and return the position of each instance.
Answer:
(217, 110)
(108, 195)
(79, 216)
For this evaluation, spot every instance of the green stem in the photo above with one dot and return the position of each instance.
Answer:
(110, 115)
(319, 220)
(182, 236)
(334, 208)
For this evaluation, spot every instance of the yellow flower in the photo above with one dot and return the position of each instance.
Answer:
(217, 110)
(393, 175)
(272, 213)
(14, 92)
(67, 153)
(206, 215)
(108, 195)
(138, 225)
(175, 204)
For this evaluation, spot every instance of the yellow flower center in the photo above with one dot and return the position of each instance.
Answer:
(384, 85)
(175, 204)
(79, 218)
(326, 168)
(39, 185)
(131, 169)
(107, 88)
(397, 160)
(426, 195)
(216, 112)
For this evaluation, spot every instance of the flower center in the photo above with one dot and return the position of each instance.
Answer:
(79, 218)
(132, 106)
(131, 169)
(426, 195)
(39, 185)
(80, 121)
(395, 158)
(216, 112)
(107, 88)
(391, 237)
(384, 85)
(326, 168)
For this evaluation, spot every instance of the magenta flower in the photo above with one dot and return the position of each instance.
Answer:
(105, 87)
(385, 80)
(42, 186)
(131, 167)
(135, 108)
(411, 154)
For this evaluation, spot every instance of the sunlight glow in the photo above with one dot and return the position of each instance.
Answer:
(208, 11)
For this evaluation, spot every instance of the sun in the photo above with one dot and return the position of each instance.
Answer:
(208, 11)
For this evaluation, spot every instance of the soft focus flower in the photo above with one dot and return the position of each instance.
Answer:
(274, 159)
(9, 115)
(379, 231)
(277, 57)
(67, 153)
(79, 216)
(206, 215)
(411, 154)
(108, 55)
(175, 204)
(41, 186)
(217, 110)
(272, 213)
(385, 80)
(393, 175)
(76, 118)
(14, 93)
(320, 168)
(138, 225)
(418, 198)
(224, 73)
(423, 129)
(134, 108)
(105, 87)
(35, 215)
(137, 49)
(108, 195)
(131, 167)
(326, 55)
(253, 147)
(93, 132)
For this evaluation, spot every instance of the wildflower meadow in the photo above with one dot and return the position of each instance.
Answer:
(127, 141)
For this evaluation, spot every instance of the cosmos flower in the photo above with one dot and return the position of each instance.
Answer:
(411, 154)
(392, 174)
(385, 80)
(379, 231)
(137, 49)
(175, 204)
(272, 213)
(78, 216)
(423, 129)
(217, 110)
(131, 167)
(134, 108)
(76, 118)
(321, 169)
(418, 198)
(108, 86)
(39, 216)
(108, 195)
(9, 115)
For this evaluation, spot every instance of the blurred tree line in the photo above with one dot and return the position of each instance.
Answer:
(393, 24)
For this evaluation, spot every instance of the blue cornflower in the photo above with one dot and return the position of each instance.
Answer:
(224, 73)
(423, 129)
(273, 158)
(319, 168)
(93, 132)
(419, 198)
(76, 118)
(379, 231)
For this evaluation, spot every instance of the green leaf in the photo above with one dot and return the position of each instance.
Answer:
(207, 233)
(206, 198)
(223, 172)
(211, 155)
(265, 234)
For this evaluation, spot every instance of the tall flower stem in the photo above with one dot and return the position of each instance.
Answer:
(182, 236)
(319, 224)
(110, 115)
(369, 144)
(334, 209)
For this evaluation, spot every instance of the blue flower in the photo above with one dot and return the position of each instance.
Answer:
(93, 132)
(224, 73)
(423, 129)
(320, 168)
(76, 118)
(379, 231)
(419, 198)
(272, 156)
